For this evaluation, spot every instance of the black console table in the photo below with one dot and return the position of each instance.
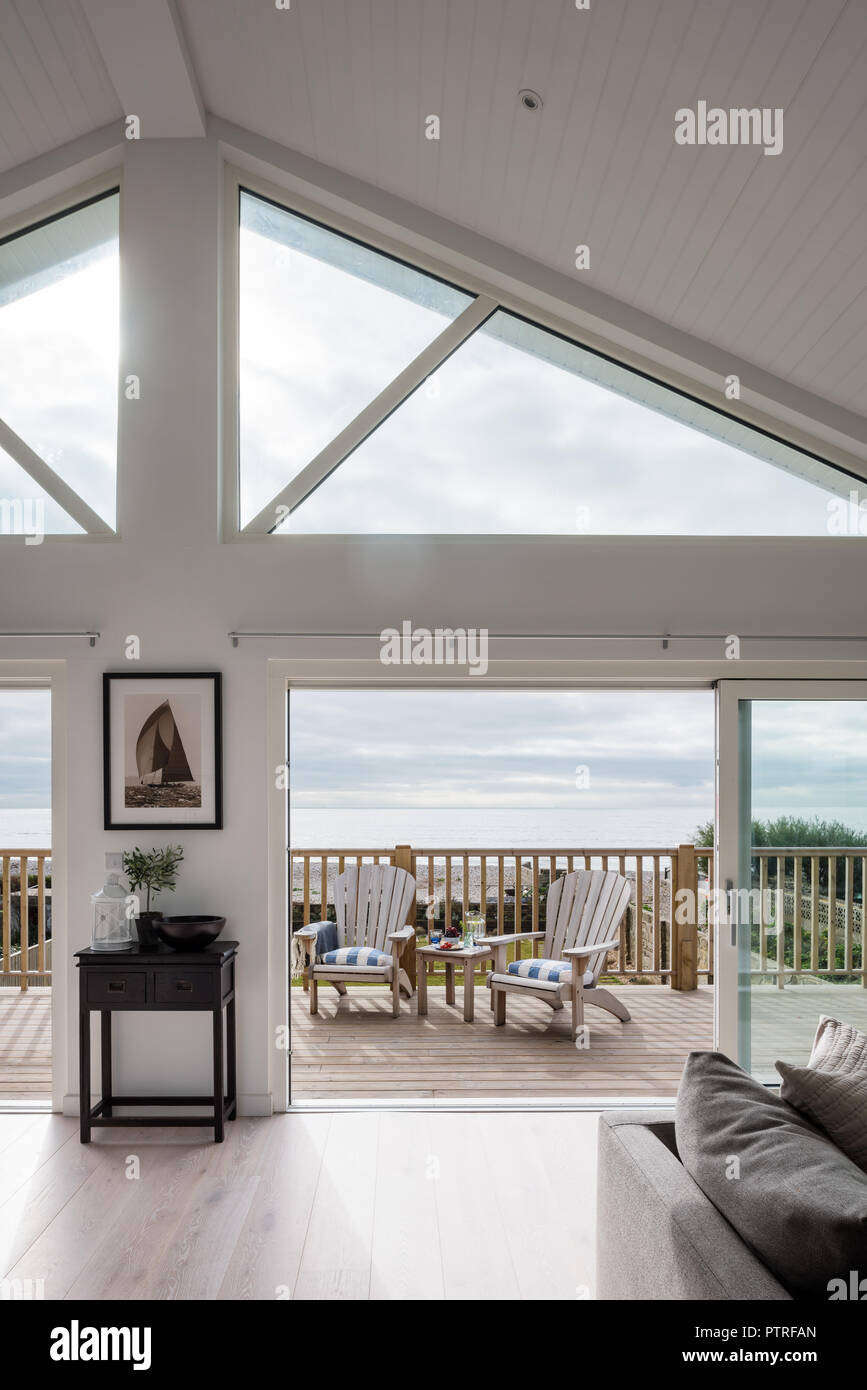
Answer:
(149, 979)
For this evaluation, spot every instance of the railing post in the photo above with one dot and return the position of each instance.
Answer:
(403, 859)
(684, 940)
(40, 914)
(23, 921)
(7, 913)
(305, 865)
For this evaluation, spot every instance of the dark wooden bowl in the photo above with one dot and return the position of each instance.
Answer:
(191, 933)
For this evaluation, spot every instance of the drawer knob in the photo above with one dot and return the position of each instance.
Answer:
(116, 986)
(184, 984)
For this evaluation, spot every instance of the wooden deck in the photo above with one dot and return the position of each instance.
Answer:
(784, 1022)
(25, 1045)
(353, 1048)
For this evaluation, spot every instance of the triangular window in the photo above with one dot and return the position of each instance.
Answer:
(26, 509)
(59, 307)
(376, 398)
(325, 324)
(523, 432)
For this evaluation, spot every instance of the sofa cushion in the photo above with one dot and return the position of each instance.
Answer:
(658, 1236)
(833, 1100)
(832, 1089)
(792, 1196)
(839, 1047)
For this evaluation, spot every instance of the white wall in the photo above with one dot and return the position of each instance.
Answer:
(171, 581)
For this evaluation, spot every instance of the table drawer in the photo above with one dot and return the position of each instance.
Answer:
(118, 987)
(184, 987)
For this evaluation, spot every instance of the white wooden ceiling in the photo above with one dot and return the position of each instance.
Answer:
(763, 256)
(766, 256)
(54, 84)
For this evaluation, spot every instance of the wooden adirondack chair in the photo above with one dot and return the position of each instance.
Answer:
(372, 902)
(585, 910)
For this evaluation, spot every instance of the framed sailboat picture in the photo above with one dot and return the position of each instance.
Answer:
(162, 751)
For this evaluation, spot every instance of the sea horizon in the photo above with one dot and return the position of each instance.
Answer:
(468, 827)
(487, 827)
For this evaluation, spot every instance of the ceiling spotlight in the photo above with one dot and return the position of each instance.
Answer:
(530, 100)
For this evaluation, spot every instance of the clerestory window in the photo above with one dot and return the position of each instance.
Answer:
(375, 398)
(59, 306)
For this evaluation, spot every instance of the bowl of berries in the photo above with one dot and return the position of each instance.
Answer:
(450, 939)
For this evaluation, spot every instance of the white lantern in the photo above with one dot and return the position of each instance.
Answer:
(111, 929)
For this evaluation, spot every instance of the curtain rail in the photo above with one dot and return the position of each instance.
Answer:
(92, 636)
(663, 637)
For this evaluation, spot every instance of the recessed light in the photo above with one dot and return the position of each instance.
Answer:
(530, 100)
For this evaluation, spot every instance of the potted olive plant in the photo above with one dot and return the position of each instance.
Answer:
(155, 870)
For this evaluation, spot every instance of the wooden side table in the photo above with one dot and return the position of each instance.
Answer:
(469, 958)
(150, 979)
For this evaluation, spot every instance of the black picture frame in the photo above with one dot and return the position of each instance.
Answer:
(213, 680)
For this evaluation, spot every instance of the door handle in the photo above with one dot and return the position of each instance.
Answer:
(732, 916)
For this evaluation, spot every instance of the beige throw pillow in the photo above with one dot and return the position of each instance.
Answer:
(838, 1047)
(832, 1089)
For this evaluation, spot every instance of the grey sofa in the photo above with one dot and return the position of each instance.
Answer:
(658, 1236)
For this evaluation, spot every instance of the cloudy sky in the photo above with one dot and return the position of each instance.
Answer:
(497, 440)
(524, 750)
(25, 749)
(810, 757)
(58, 389)
(502, 749)
(648, 752)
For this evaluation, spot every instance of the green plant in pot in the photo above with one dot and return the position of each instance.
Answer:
(155, 871)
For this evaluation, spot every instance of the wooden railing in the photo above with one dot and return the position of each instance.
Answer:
(819, 892)
(510, 886)
(25, 941)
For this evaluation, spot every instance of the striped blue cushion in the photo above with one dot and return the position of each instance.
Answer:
(556, 970)
(356, 955)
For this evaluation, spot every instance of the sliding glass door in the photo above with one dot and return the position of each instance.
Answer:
(792, 829)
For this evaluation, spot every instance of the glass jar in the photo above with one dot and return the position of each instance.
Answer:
(474, 930)
(111, 929)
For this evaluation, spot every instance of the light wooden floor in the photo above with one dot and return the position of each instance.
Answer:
(354, 1048)
(25, 1045)
(338, 1206)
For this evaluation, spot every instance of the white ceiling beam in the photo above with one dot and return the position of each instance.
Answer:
(67, 167)
(144, 49)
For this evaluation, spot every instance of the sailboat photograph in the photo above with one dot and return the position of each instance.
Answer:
(163, 775)
(159, 751)
(162, 750)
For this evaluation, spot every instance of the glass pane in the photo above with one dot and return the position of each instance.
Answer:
(25, 510)
(59, 305)
(325, 325)
(804, 840)
(521, 431)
